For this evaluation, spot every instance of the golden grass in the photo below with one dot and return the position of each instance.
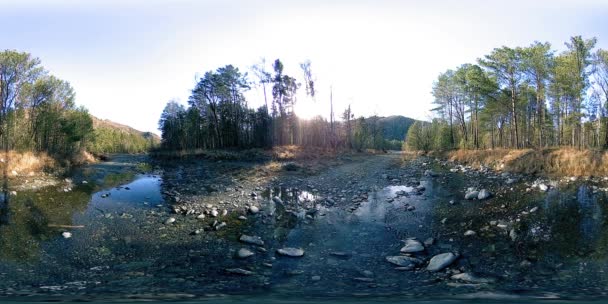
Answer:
(26, 163)
(554, 161)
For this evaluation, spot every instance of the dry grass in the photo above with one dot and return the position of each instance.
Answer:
(555, 161)
(26, 163)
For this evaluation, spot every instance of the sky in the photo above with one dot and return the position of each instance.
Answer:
(127, 59)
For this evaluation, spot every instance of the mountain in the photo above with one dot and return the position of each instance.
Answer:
(112, 137)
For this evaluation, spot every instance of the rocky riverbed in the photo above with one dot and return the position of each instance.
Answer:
(361, 226)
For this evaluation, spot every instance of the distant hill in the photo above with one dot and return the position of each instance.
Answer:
(112, 137)
(394, 127)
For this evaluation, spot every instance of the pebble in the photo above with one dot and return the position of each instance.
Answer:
(471, 278)
(239, 271)
(66, 235)
(214, 213)
(412, 246)
(255, 240)
(484, 194)
(244, 253)
(254, 209)
(470, 233)
(403, 261)
(170, 220)
(291, 252)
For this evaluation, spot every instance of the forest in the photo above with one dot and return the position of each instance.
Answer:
(38, 113)
(522, 97)
(218, 116)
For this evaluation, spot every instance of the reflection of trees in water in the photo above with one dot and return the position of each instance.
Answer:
(592, 219)
(30, 214)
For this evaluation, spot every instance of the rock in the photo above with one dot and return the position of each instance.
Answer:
(430, 241)
(513, 235)
(470, 233)
(394, 180)
(430, 173)
(66, 235)
(543, 187)
(441, 261)
(471, 278)
(255, 240)
(214, 213)
(242, 218)
(170, 220)
(473, 194)
(197, 231)
(411, 208)
(316, 278)
(224, 212)
(277, 200)
(403, 261)
(201, 216)
(510, 181)
(412, 246)
(254, 209)
(244, 253)
(385, 176)
(483, 194)
(220, 226)
(533, 209)
(291, 252)
(239, 271)
(444, 220)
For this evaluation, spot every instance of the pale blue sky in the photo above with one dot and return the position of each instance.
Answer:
(126, 59)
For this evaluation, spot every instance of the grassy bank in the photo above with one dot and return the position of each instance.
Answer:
(552, 162)
(30, 163)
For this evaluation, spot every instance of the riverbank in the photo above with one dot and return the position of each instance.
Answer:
(553, 162)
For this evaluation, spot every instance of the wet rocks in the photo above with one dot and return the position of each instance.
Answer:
(470, 233)
(254, 240)
(291, 252)
(254, 209)
(471, 194)
(484, 194)
(239, 271)
(220, 226)
(170, 220)
(441, 261)
(244, 253)
(66, 235)
(412, 246)
(543, 187)
(471, 278)
(403, 261)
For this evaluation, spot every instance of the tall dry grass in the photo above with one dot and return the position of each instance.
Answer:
(24, 163)
(554, 161)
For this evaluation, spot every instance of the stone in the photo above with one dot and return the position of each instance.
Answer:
(484, 194)
(471, 195)
(220, 226)
(244, 253)
(428, 242)
(543, 187)
(214, 213)
(316, 278)
(441, 261)
(255, 240)
(66, 235)
(201, 216)
(513, 235)
(412, 246)
(254, 209)
(471, 278)
(533, 209)
(239, 271)
(170, 220)
(291, 252)
(470, 233)
(403, 261)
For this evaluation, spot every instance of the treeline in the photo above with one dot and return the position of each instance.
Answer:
(218, 115)
(37, 110)
(38, 113)
(523, 97)
(110, 137)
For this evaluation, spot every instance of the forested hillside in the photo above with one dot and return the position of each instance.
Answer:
(218, 116)
(112, 137)
(521, 97)
(38, 113)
